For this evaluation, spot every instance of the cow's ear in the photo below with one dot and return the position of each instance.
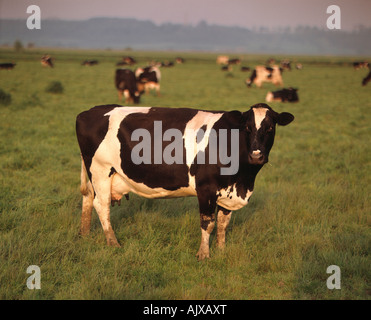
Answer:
(284, 118)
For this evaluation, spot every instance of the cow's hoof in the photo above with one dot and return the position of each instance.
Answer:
(201, 255)
(113, 243)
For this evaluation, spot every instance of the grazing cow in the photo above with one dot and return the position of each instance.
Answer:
(89, 63)
(299, 66)
(222, 60)
(150, 78)
(115, 161)
(284, 95)
(359, 65)
(7, 66)
(47, 61)
(265, 74)
(126, 84)
(367, 79)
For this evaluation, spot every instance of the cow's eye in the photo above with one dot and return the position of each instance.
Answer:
(248, 129)
(270, 129)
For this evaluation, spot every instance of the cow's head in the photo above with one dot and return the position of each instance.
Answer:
(260, 125)
(292, 95)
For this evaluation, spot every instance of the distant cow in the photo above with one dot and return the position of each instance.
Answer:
(179, 60)
(234, 61)
(129, 60)
(222, 60)
(359, 65)
(150, 78)
(367, 79)
(284, 95)
(47, 61)
(245, 69)
(167, 64)
(299, 66)
(286, 65)
(126, 84)
(7, 66)
(123, 149)
(89, 63)
(265, 74)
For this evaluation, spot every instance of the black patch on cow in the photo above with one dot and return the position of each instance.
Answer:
(252, 77)
(91, 128)
(169, 177)
(113, 171)
(286, 95)
(125, 80)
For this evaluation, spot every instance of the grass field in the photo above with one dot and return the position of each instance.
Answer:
(310, 208)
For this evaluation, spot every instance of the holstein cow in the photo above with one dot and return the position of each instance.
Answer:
(126, 84)
(150, 78)
(47, 61)
(7, 66)
(366, 79)
(284, 95)
(265, 74)
(123, 150)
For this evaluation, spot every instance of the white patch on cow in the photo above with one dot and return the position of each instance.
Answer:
(259, 114)
(228, 198)
(158, 73)
(269, 97)
(201, 119)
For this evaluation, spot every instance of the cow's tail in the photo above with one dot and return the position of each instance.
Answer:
(85, 187)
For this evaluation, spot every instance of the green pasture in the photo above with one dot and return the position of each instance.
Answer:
(310, 208)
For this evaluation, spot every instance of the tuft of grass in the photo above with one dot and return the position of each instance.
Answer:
(54, 87)
(5, 98)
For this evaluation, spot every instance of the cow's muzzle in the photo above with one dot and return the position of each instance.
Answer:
(256, 157)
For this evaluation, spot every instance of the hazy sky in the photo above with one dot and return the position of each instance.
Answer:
(244, 13)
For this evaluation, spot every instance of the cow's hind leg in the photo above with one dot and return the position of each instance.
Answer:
(87, 192)
(224, 216)
(87, 208)
(207, 219)
(102, 201)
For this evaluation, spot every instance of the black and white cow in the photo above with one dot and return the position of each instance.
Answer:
(126, 84)
(187, 160)
(150, 78)
(284, 95)
(265, 74)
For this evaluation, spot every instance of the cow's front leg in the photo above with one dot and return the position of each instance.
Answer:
(207, 226)
(224, 216)
(207, 219)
